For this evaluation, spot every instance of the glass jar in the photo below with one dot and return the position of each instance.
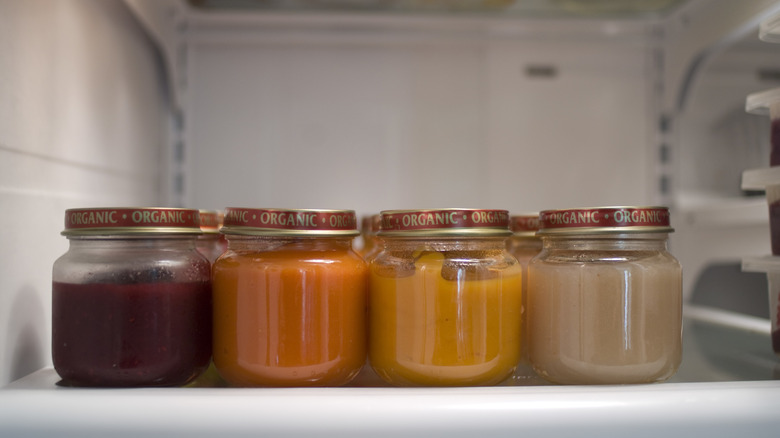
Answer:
(289, 299)
(211, 243)
(444, 299)
(524, 245)
(605, 297)
(371, 242)
(767, 103)
(131, 299)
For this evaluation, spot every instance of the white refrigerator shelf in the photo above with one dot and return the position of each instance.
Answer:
(759, 179)
(725, 387)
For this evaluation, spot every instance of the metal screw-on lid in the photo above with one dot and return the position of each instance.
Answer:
(289, 222)
(370, 224)
(524, 224)
(210, 221)
(131, 220)
(605, 220)
(445, 222)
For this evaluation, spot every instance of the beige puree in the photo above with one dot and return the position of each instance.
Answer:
(604, 316)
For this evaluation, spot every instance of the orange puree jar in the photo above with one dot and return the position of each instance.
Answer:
(444, 299)
(289, 299)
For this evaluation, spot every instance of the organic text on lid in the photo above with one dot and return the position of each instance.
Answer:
(599, 219)
(274, 221)
(524, 223)
(444, 221)
(131, 220)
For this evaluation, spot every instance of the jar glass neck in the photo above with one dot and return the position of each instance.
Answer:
(125, 242)
(444, 243)
(525, 241)
(616, 241)
(236, 242)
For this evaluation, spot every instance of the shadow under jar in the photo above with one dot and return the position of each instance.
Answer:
(131, 299)
(444, 299)
(605, 297)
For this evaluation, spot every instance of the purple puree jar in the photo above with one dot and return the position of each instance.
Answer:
(131, 299)
(767, 103)
(774, 155)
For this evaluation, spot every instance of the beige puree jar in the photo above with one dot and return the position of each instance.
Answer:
(605, 297)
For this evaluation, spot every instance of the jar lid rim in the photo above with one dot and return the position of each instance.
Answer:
(445, 222)
(613, 219)
(524, 224)
(131, 220)
(289, 222)
(211, 220)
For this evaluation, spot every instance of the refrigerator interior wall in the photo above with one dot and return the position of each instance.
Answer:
(714, 140)
(379, 112)
(83, 120)
(376, 125)
(307, 112)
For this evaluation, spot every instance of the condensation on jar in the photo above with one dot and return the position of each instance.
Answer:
(289, 299)
(131, 299)
(444, 299)
(605, 297)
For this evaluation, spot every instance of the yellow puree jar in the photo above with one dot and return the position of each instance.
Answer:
(444, 299)
(605, 297)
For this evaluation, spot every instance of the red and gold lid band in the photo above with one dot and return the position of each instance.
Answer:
(444, 221)
(210, 221)
(276, 221)
(611, 219)
(525, 223)
(131, 220)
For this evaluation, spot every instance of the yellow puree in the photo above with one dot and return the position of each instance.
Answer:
(427, 330)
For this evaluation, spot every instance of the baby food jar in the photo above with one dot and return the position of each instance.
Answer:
(289, 299)
(444, 299)
(371, 242)
(131, 299)
(605, 297)
(211, 243)
(524, 245)
(767, 103)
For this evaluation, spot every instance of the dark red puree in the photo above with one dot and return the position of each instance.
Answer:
(148, 334)
(776, 333)
(776, 341)
(774, 154)
(774, 226)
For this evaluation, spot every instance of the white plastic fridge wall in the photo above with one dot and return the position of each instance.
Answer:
(83, 120)
(301, 113)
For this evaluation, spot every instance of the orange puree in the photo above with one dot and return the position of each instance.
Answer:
(292, 316)
(426, 329)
